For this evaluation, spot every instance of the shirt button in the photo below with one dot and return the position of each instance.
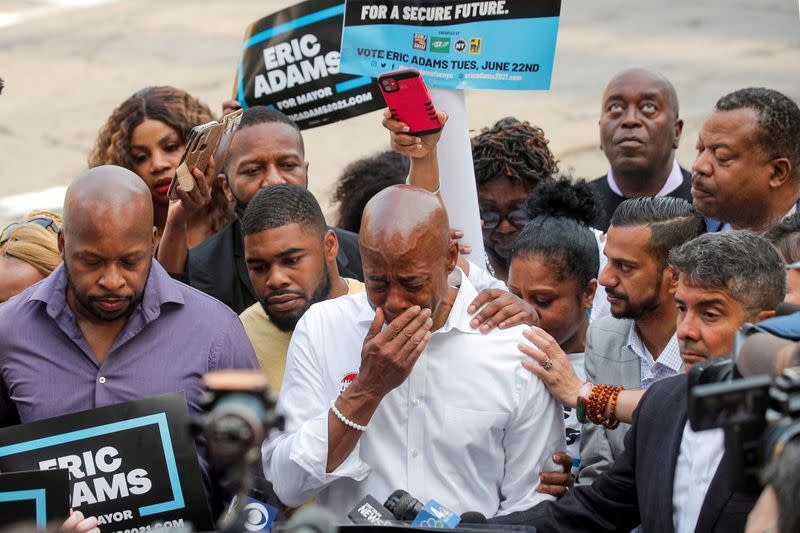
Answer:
(414, 453)
(102, 379)
(415, 403)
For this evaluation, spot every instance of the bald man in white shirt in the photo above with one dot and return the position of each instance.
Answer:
(393, 389)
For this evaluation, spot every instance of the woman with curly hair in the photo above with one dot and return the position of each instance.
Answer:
(147, 134)
(511, 158)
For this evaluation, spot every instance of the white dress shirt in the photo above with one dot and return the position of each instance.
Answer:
(674, 180)
(470, 427)
(698, 460)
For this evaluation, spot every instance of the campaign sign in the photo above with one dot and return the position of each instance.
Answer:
(36, 497)
(290, 61)
(132, 465)
(456, 44)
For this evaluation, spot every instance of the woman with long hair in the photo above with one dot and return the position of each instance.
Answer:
(147, 134)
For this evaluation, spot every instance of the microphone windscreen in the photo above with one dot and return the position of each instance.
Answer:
(759, 355)
(312, 519)
(473, 517)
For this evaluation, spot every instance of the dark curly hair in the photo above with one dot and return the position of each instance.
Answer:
(559, 232)
(174, 107)
(564, 197)
(363, 179)
(778, 120)
(514, 149)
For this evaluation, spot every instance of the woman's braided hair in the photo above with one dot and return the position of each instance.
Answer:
(174, 107)
(514, 149)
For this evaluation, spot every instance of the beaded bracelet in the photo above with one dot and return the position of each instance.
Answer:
(346, 421)
(595, 406)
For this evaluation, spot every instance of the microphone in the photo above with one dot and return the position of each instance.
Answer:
(370, 511)
(763, 353)
(312, 519)
(431, 515)
(254, 514)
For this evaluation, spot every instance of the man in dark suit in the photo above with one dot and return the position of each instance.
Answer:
(670, 478)
(267, 150)
(639, 133)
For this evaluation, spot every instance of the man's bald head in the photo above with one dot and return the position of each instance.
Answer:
(107, 192)
(640, 130)
(646, 76)
(402, 214)
(107, 242)
(406, 250)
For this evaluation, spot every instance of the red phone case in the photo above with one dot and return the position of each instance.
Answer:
(409, 101)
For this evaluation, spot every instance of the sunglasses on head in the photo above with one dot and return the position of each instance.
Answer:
(44, 222)
(517, 218)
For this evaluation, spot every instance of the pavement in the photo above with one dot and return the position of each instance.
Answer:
(68, 63)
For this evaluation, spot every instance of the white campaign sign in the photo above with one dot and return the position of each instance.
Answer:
(456, 172)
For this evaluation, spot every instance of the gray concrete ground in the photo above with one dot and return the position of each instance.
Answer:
(67, 67)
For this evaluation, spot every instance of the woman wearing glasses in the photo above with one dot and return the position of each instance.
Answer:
(147, 134)
(511, 158)
(28, 252)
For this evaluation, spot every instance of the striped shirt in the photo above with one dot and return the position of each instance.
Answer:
(667, 364)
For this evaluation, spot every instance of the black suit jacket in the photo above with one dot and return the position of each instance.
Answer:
(607, 200)
(217, 266)
(638, 487)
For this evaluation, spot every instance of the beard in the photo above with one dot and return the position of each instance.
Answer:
(641, 308)
(89, 302)
(287, 321)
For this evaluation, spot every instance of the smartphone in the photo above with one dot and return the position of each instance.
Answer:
(408, 100)
(212, 138)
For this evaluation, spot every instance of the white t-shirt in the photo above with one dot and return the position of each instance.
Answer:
(470, 427)
(571, 424)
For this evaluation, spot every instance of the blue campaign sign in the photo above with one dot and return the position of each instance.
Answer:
(499, 44)
(290, 61)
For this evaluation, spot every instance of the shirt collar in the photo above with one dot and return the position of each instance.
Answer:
(674, 180)
(160, 289)
(670, 356)
(457, 319)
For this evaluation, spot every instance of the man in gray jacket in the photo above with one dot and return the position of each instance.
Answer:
(636, 345)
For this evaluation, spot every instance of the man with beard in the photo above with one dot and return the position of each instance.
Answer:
(636, 345)
(109, 325)
(291, 260)
(267, 150)
(747, 171)
(670, 478)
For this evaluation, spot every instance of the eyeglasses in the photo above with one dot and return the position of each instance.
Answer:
(517, 218)
(44, 222)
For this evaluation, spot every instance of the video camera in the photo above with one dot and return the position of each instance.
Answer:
(758, 414)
